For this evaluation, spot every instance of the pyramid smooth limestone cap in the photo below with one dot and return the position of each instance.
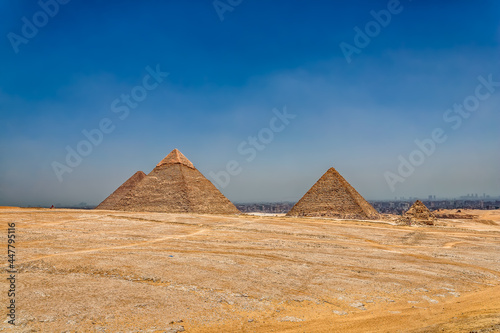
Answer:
(176, 157)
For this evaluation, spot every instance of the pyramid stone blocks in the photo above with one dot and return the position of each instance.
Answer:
(175, 186)
(111, 201)
(332, 196)
(418, 214)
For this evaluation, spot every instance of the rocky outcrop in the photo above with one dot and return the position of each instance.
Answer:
(418, 214)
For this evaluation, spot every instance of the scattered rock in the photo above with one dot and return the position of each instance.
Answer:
(340, 313)
(290, 319)
(358, 305)
(430, 300)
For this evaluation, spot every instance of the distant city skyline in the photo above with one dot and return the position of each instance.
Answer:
(289, 204)
(400, 97)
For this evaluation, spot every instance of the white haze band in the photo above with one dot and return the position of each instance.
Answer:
(252, 145)
(454, 117)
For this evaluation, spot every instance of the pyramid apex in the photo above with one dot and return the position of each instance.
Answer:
(176, 157)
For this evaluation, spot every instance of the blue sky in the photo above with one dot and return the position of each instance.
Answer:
(226, 77)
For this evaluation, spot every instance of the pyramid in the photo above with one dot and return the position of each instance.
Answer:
(111, 201)
(176, 186)
(333, 196)
(418, 214)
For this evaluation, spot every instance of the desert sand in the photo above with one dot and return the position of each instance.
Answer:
(113, 271)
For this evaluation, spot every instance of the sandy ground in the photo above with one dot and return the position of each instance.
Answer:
(107, 271)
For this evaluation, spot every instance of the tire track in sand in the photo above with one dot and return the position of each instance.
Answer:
(111, 247)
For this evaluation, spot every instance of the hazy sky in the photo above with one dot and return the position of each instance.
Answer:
(361, 91)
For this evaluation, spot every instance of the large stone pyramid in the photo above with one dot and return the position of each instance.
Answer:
(176, 186)
(418, 214)
(113, 199)
(333, 196)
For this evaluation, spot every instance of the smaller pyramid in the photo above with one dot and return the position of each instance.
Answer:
(112, 200)
(418, 214)
(332, 196)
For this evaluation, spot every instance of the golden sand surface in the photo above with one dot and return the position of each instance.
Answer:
(112, 271)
